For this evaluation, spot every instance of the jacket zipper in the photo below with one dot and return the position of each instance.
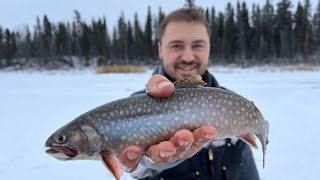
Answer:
(211, 157)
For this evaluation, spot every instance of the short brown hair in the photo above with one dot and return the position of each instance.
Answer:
(186, 15)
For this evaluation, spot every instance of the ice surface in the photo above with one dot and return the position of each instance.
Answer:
(35, 104)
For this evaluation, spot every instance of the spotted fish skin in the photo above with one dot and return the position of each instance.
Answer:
(143, 120)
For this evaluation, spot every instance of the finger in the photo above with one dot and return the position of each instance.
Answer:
(205, 134)
(202, 136)
(183, 140)
(130, 157)
(161, 152)
(159, 86)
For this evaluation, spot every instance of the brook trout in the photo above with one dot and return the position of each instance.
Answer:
(142, 120)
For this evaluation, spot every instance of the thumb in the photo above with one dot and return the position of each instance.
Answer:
(159, 86)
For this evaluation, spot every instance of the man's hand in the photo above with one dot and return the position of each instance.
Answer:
(182, 145)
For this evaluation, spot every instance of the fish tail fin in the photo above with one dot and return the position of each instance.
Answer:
(263, 137)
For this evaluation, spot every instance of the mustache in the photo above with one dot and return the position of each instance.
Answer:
(185, 63)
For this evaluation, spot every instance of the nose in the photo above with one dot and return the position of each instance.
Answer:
(188, 54)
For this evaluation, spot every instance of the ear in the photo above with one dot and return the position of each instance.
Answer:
(160, 51)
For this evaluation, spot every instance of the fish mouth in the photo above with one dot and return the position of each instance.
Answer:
(61, 152)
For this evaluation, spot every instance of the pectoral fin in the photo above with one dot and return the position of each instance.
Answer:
(249, 139)
(113, 165)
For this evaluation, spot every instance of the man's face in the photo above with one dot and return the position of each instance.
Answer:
(184, 49)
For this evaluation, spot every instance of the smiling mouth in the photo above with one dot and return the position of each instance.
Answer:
(61, 152)
(187, 68)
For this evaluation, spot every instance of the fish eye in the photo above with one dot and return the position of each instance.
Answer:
(60, 138)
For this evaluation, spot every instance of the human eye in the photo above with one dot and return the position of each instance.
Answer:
(176, 46)
(198, 46)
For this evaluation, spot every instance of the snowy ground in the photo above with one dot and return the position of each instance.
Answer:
(34, 104)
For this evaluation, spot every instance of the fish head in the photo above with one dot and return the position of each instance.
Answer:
(74, 141)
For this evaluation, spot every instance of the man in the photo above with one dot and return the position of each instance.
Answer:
(184, 48)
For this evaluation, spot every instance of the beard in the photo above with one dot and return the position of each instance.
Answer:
(187, 68)
(181, 68)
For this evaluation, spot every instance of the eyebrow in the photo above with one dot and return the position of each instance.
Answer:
(175, 42)
(193, 42)
(199, 41)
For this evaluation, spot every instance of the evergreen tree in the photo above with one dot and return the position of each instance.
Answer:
(268, 20)
(265, 35)
(13, 44)
(308, 41)
(156, 24)
(114, 48)
(256, 33)
(7, 47)
(85, 43)
(10, 47)
(299, 30)
(130, 40)
(244, 30)
(229, 38)
(29, 51)
(75, 39)
(69, 40)
(214, 35)
(94, 39)
(78, 21)
(161, 16)
(238, 32)
(37, 40)
(61, 38)
(283, 29)
(148, 43)
(316, 22)
(190, 3)
(76, 34)
(207, 15)
(220, 36)
(103, 41)
(108, 39)
(47, 37)
(122, 40)
(98, 38)
(138, 39)
(20, 46)
(1, 46)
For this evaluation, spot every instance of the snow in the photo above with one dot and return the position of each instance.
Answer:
(35, 104)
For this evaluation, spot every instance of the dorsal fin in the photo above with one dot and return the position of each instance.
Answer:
(190, 81)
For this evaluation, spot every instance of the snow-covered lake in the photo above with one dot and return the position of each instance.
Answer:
(35, 104)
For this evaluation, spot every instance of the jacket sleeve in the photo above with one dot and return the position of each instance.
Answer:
(147, 169)
(248, 169)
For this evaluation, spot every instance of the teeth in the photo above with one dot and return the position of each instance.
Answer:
(186, 68)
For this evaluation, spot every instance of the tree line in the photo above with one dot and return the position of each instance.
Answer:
(265, 35)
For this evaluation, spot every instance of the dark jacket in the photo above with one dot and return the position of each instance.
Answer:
(232, 161)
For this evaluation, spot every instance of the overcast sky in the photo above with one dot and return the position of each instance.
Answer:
(15, 14)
